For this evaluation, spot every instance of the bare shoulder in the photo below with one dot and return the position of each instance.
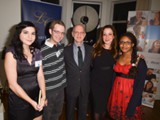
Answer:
(9, 58)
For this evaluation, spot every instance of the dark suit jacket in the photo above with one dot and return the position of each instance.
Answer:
(77, 79)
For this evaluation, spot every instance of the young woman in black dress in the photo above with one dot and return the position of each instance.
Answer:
(24, 73)
(104, 55)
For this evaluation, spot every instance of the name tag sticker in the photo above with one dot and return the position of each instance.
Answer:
(58, 53)
(38, 63)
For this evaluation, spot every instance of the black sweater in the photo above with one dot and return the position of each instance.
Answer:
(138, 87)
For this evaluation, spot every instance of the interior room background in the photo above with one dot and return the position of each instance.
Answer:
(10, 14)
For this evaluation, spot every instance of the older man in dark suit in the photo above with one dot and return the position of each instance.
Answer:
(78, 63)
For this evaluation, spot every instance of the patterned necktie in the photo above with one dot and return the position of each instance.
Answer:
(80, 58)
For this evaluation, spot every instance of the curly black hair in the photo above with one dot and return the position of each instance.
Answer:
(133, 69)
(17, 43)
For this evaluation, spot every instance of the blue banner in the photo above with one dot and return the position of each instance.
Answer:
(40, 13)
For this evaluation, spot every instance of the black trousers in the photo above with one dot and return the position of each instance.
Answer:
(82, 106)
(55, 105)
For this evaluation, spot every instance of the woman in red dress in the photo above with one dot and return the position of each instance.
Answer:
(125, 98)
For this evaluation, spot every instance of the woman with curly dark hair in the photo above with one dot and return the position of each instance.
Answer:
(24, 73)
(104, 54)
(125, 98)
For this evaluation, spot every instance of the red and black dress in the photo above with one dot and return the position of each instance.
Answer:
(125, 98)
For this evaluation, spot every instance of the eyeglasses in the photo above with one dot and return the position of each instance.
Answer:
(58, 32)
(126, 43)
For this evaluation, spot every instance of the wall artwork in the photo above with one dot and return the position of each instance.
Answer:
(89, 14)
(145, 25)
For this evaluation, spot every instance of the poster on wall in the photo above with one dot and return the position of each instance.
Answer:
(40, 13)
(145, 25)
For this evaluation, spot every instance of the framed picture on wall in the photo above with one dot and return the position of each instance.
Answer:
(89, 14)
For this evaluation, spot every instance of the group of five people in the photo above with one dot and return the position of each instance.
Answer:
(115, 78)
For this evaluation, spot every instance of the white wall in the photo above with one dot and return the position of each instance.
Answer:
(10, 15)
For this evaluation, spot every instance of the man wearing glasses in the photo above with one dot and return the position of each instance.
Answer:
(54, 70)
(78, 62)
